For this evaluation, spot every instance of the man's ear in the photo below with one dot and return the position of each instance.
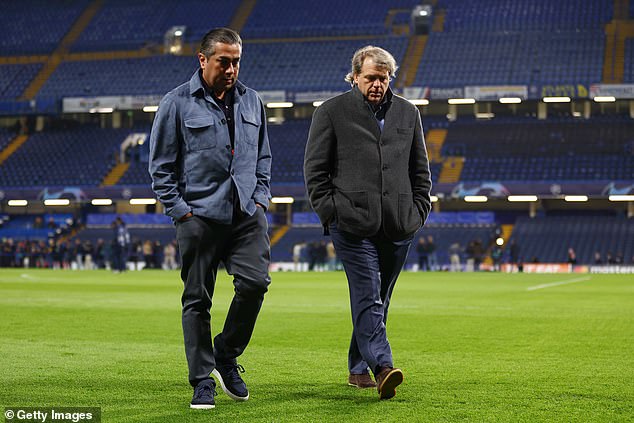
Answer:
(202, 60)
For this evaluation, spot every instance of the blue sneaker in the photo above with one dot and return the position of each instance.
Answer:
(204, 393)
(228, 374)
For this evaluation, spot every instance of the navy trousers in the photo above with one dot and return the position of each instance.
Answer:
(372, 266)
(245, 250)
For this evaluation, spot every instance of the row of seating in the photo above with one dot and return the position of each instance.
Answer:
(628, 70)
(444, 235)
(521, 137)
(544, 239)
(131, 24)
(37, 27)
(513, 149)
(5, 137)
(15, 78)
(292, 66)
(526, 58)
(547, 239)
(488, 58)
(80, 155)
(567, 168)
(494, 15)
(529, 42)
(287, 18)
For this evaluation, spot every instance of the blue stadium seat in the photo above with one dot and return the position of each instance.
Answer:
(548, 238)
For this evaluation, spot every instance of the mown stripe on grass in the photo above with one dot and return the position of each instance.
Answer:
(566, 282)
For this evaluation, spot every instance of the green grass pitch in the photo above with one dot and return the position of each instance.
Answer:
(473, 347)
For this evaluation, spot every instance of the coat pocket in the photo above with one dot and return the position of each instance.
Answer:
(405, 131)
(200, 133)
(409, 218)
(352, 207)
(251, 124)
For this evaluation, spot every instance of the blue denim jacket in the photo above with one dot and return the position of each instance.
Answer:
(191, 164)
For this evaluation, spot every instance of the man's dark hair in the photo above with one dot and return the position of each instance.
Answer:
(218, 35)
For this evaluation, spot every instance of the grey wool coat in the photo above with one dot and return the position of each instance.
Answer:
(365, 179)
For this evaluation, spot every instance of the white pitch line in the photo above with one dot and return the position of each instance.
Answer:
(566, 282)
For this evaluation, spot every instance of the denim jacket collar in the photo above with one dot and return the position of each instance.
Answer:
(196, 86)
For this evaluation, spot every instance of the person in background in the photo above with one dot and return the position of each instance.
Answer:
(514, 253)
(496, 257)
(572, 256)
(120, 245)
(431, 251)
(51, 223)
(78, 254)
(332, 256)
(148, 252)
(88, 255)
(157, 256)
(455, 250)
(169, 256)
(135, 253)
(297, 255)
(423, 254)
(100, 253)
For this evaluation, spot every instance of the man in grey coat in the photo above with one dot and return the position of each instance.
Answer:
(367, 176)
(210, 164)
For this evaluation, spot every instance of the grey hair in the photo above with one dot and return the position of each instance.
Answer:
(218, 35)
(381, 58)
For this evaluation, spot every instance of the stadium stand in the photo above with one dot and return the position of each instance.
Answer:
(15, 78)
(164, 235)
(536, 150)
(288, 142)
(293, 66)
(525, 15)
(487, 58)
(78, 155)
(444, 235)
(517, 58)
(309, 66)
(142, 76)
(132, 24)
(628, 74)
(35, 227)
(282, 19)
(524, 42)
(547, 239)
(298, 47)
(37, 26)
(6, 136)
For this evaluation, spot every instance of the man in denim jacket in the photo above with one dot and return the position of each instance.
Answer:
(210, 164)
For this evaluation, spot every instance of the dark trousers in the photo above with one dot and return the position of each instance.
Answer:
(372, 266)
(423, 263)
(119, 258)
(245, 250)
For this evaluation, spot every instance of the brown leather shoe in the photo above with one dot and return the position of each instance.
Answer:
(361, 381)
(387, 380)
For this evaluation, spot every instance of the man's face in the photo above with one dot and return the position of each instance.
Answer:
(220, 70)
(372, 81)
